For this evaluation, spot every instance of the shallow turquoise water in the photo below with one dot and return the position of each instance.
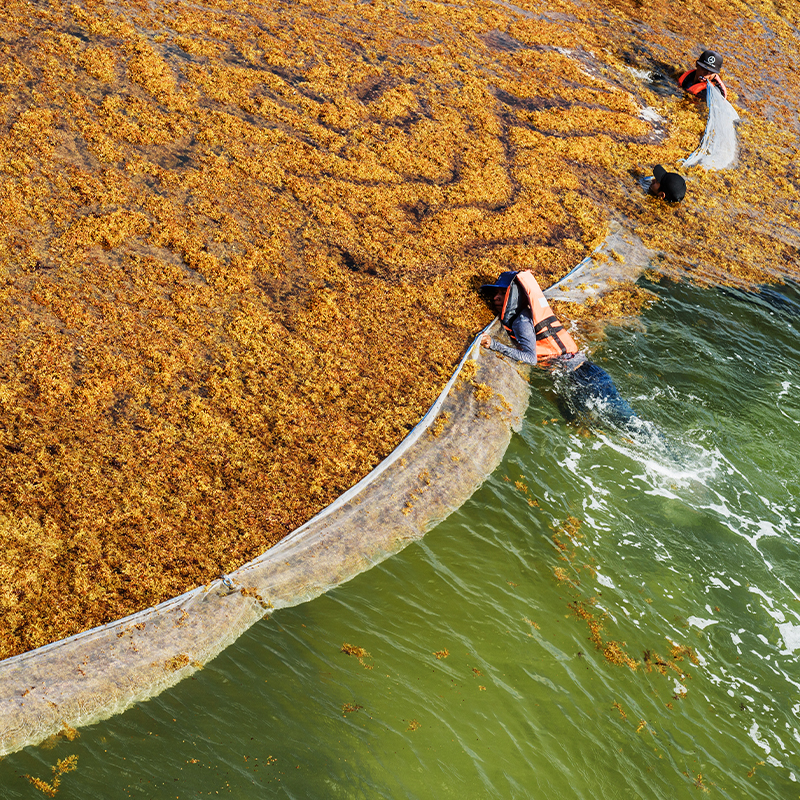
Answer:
(482, 679)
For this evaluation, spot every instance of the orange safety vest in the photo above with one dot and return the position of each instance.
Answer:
(701, 85)
(551, 338)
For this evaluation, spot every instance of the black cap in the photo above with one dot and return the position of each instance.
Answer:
(710, 60)
(503, 282)
(672, 184)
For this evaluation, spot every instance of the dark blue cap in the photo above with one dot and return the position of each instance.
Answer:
(503, 282)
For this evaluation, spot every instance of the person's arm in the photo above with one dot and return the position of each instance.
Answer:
(718, 83)
(526, 340)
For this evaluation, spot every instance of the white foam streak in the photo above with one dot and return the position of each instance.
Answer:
(604, 581)
(791, 637)
(701, 623)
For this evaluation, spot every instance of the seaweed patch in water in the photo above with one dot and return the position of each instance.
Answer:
(359, 652)
(62, 766)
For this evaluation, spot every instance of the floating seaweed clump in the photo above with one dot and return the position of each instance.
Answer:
(241, 243)
(62, 766)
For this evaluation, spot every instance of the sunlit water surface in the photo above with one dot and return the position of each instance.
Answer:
(485, 671)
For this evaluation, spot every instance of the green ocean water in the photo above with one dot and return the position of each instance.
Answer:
(480, 676)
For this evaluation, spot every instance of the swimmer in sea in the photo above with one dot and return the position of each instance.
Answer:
(695, 81)
(585, 391)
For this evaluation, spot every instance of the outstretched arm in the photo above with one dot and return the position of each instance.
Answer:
(525, 352)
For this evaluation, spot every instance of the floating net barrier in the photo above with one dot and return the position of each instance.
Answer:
(438, 466)
(619, 260)
(718, 147)
(435, 469)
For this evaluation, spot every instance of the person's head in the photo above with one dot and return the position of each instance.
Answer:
(668, 186)
(495, 292)
(496, 300)
(709, 63)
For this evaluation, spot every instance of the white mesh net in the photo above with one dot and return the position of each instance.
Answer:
(621, 259)
(438, 466)
(718, 148)
(435, 469)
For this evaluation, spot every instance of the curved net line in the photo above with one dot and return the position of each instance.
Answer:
(442, 461)
(435, 469)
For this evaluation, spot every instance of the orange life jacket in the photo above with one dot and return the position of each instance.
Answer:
(551, 338)
(699, 86)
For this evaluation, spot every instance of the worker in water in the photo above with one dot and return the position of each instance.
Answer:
(585, 391)
(695, 81)
(668, 186)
